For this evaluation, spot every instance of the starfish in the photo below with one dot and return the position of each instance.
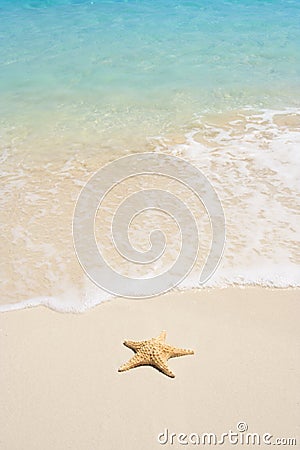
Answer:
(154, 352)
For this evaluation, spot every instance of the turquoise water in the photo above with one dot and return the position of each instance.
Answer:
(215, 82)
(115, 62)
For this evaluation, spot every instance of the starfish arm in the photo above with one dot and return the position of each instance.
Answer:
(162, 336)
(134, 345)
(135, 361)
(162, 366)
(175, 352)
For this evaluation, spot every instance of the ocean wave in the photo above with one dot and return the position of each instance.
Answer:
(250, 157)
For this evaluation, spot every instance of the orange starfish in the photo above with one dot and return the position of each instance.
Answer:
(154, 352)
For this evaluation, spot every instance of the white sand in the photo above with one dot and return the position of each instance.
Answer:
(60, 389)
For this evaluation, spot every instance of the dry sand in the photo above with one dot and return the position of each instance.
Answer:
(60, 388)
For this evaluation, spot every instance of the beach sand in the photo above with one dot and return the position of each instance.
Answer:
(60, 387)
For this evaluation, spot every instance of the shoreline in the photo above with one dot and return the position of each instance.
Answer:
(45, 302)
(60, 386)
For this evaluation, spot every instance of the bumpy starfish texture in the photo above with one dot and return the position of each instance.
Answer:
(154, 352)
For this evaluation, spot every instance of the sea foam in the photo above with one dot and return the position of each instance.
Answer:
(252, 160)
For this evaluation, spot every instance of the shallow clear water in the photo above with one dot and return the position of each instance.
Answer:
(104, 62)
(84, 82)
